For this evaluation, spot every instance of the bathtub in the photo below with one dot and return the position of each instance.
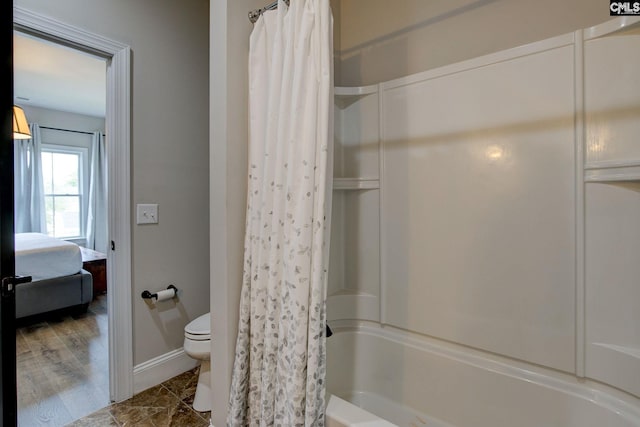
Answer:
(381, 377)
(354, 411)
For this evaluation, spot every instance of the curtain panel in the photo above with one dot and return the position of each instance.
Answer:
(96, 223)
(28, 184)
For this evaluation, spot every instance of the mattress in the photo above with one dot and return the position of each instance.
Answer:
(43, 257)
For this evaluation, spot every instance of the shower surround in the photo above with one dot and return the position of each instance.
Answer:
(482, 266)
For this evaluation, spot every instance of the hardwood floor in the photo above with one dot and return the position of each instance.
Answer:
(62, 366)
(63, 378)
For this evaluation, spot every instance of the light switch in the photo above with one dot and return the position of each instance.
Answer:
(147, 214)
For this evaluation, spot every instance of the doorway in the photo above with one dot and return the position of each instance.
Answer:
(117, 129)
(60, 198)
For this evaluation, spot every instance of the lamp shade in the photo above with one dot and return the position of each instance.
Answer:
(20, 125)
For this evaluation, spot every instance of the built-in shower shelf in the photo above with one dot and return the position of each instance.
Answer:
(356, 183)
(629, 351)
(354, 284)
(616, 365)
(346, 96)
(351, 304)
(352, 292)
(629, 24)
(355, 91)
(612, 171)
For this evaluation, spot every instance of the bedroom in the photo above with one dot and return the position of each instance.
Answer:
(61, 225)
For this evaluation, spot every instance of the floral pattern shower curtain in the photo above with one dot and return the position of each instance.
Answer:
(279, 368)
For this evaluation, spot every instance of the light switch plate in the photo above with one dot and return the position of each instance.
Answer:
(147, 214)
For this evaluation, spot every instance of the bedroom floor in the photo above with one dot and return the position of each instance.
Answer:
(63, 366)
(63, 378)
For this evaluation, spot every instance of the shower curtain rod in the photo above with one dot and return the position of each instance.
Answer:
(255, 14)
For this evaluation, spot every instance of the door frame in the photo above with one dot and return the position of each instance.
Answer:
(118, 147)
(8, 401)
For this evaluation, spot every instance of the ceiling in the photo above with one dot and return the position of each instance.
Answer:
(53, 76)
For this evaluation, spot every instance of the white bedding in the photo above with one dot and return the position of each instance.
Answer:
(43, 257)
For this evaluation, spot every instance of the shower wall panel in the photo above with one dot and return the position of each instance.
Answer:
(612, 101)
(613, 244)
(478, 204)
(612, 208)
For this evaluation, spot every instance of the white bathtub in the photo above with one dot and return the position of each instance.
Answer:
(407, 380)
(354, 409)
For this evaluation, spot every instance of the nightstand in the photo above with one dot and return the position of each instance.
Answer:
(95, 263)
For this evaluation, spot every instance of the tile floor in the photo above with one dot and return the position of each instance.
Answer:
(165, 405)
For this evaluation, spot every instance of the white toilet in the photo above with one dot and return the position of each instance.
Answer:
(197, 344)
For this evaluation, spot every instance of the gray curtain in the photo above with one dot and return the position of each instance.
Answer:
(29, 187)
(96, 231)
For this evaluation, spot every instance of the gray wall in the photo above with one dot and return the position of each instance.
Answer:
(230, 30)
(169, 41)
(63, 119)
(382, 40)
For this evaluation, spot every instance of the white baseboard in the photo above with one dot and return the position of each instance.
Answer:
(159, 369)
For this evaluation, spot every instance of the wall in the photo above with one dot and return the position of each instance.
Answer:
(169, 152)
(335, 10)
(382, 41)
(63, 119)
(230, 30)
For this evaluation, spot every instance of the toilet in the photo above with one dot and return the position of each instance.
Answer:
(197, 344)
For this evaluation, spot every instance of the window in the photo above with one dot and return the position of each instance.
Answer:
(63, 190)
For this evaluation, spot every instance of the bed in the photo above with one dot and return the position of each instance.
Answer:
(58, 280)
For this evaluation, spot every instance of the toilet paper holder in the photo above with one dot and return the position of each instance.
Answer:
(149, 295)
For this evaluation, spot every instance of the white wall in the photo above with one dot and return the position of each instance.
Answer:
(169, 152)
(383, 40)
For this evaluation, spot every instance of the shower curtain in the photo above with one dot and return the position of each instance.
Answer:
(279, 367)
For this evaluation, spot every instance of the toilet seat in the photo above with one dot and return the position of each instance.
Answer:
(199, 329)
(195, 337)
